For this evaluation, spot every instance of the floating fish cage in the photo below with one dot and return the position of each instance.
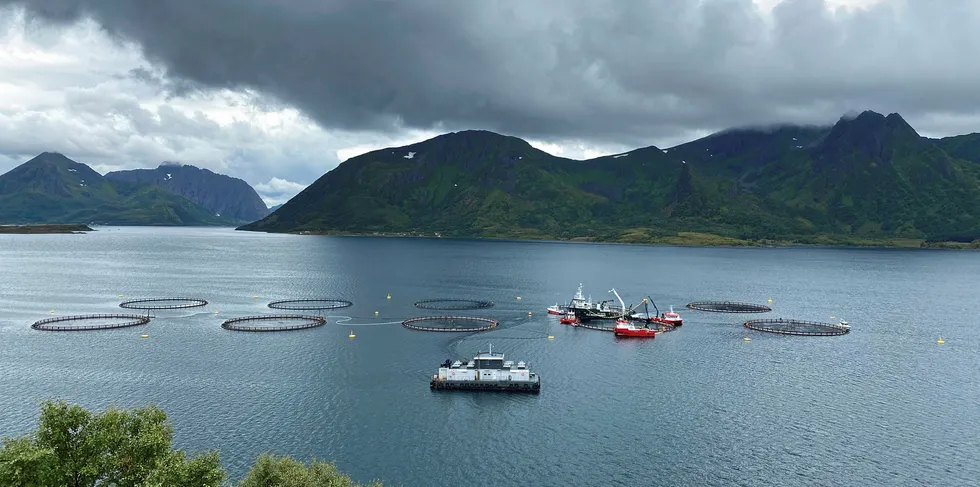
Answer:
(453, 304)
(728, 307)
(798, 327)
(450, 323)
(274, 323)
(52, 324)
(163, 303)
(310, 304)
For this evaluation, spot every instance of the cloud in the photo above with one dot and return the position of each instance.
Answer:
(288, 89)
(277, 191)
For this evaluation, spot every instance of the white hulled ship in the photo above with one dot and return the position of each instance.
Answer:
(487, 371)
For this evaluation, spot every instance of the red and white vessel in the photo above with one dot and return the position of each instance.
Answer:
(569, 318)
(626, 328)
(557, 309)
(672, 318)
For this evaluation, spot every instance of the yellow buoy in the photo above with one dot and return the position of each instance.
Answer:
(255, 297)
(121, 296)
(351, 334)
(144, 336)
(770, 300)
(941, 341)
(389, 296)
(518, 297)
(52, 311)
(375, 313)
(215, 312)
(529, 313)
(747, 339)
(551, 337)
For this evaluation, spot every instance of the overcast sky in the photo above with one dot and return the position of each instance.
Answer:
(279, 92)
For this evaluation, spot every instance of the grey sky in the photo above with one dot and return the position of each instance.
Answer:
(585, 76)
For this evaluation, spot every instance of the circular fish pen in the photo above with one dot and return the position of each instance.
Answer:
(310, 304)
(118, 321)
(163, 303)
(453, 304)
(728, 307)
(450, 323)
(273, 323)
(798, 327)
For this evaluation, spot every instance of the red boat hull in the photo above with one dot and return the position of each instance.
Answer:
(635, 332)
(666, 321)
(553, 312)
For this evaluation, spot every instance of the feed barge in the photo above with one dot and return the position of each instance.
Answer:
(486, 372)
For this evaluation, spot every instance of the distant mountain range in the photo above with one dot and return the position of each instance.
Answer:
(867, 178)
(52, 188)
(221, 195)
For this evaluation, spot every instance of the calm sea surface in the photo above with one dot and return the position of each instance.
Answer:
(884, 405)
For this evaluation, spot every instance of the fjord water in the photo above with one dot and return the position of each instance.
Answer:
(884, 405)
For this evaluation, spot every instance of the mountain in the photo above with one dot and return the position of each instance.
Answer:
(274, 208)
(221, 195)
(869, 177)
(52, 188)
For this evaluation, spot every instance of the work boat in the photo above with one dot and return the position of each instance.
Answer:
(486, 372)
(625, 328)
(557, 309)
(672, 318)
(569, 319)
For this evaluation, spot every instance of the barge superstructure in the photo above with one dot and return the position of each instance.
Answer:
(487, 371)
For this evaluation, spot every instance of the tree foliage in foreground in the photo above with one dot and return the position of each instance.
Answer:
(287, 472)
(73, 447)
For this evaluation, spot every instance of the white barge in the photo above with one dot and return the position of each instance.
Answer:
(486, 372)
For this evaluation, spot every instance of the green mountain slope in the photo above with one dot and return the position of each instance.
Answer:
(52, 188)
(221, 195)
(868, 177)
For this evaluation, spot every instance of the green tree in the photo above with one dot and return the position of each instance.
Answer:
(271, 471)
(73, 447)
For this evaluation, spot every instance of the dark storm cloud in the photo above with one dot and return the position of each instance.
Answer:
(603, 70)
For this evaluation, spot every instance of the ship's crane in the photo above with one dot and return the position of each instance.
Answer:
(629, 311)
(621, 303)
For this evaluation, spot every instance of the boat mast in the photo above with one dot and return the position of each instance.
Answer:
(621, 303)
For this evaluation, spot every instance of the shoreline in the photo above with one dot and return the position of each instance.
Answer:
(681, 239)
(46, 229)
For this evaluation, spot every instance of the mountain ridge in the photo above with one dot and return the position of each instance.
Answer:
(867, 177)
(222, 195)
(53, 189)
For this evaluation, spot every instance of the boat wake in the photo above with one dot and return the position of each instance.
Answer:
(345, 320)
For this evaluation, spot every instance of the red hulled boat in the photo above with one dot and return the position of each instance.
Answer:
(626, 328)
(569, 319)
(672, 318)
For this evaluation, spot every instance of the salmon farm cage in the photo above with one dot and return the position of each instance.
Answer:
(728, 307)
(69, 323)
(453, 304)
(798, 327)
(311, 304)
(273, 323)
(450, 323)
(163, 303)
